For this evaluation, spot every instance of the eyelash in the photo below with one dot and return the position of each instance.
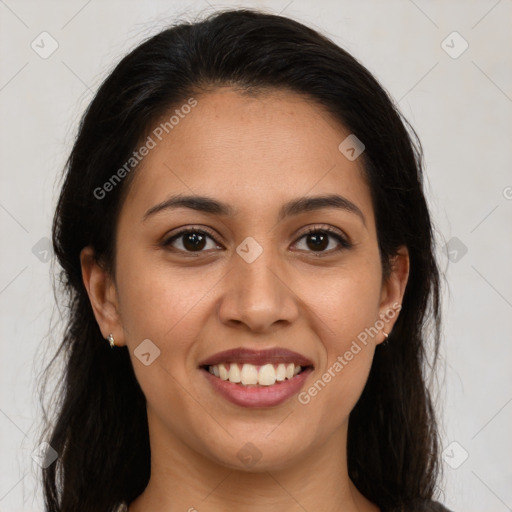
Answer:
(343, 242)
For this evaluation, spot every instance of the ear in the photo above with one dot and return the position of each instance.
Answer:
(102, 294)
(393, 289)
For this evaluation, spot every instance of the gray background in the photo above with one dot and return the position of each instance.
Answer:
(459, 103)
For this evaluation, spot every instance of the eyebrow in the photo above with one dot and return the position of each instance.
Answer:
(295, 207)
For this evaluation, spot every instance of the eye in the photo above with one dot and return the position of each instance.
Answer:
(319, 239)
(191, 240)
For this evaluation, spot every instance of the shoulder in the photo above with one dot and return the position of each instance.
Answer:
(432, 506)
(428, 506)
(422, 506)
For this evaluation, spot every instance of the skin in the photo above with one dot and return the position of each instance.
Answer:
(254, 153)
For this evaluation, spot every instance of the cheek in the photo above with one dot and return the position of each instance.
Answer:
(348, 355)
(155, 301)
(346, 301)
(332, 395)
(346, 312)
(167, 307)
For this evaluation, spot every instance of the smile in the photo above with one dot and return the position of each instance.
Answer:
(251, 375)
(256, 378)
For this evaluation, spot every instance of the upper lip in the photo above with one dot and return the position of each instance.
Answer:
(257, 357)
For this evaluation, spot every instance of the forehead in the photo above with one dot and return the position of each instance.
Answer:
(251, 151)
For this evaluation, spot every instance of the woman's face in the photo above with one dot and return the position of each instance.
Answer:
(251, 277)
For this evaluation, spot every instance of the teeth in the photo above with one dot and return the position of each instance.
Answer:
(223, 373)
(234, 373)
(265, 375)
(281, 372)
(249, 374)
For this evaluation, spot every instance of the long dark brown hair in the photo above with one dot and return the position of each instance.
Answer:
(99, 424)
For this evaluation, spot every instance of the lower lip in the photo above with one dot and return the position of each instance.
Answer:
(258, 396)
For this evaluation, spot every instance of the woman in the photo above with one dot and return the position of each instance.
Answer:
(243, 220)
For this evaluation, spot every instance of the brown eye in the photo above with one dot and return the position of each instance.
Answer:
(194, 241)
(324, 240)
(317, 241)
(191, 241)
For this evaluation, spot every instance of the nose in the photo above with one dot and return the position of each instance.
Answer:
(258, 296)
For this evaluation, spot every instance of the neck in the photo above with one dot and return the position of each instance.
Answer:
(184, 480)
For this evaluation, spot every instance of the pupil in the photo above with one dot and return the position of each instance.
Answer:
(320, 241)
(194, 241)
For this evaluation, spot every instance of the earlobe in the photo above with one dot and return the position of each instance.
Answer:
(393, 290)
(102, 295)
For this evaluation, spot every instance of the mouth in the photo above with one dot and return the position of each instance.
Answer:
(246, 374)
(252, 378)
(249, 367)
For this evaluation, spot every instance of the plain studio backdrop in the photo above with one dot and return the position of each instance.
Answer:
(447, 64)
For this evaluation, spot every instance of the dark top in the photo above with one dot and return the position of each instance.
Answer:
(423, 506)
(420, 506)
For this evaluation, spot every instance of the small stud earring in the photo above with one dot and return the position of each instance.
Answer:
(385, 342)
(110, 339)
